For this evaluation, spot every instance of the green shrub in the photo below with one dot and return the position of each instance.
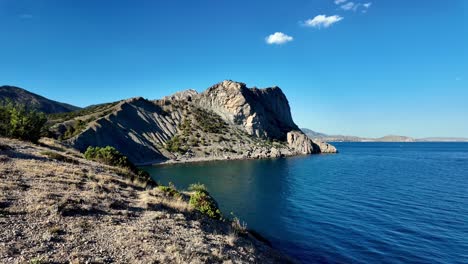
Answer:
(108, 155)
(203, 202)
(170, 190)
(209, 122)
(111, 156)
(18, 122)
(74, 129)
(197, 187)
(175, 145)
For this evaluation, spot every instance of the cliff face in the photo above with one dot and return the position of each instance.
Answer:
(263, 113)
(227, 121)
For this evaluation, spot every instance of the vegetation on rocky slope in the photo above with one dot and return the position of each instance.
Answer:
(62, 208)
(112, 157)
(19, 122)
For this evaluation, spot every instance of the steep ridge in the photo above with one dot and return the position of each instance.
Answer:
(227, 121)
(136, 127)
(19, 96)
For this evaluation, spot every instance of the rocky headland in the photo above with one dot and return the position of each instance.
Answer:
(226, 121)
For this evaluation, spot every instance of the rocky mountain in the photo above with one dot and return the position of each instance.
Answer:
(390, 138)
(227, 121)
(20, 96)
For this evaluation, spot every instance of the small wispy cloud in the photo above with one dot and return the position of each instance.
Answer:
(458, 79)
(322, 21)
(278, 38)
(25, 16)
(350, 6)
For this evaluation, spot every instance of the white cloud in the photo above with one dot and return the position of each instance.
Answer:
(278, 38)
(350, 6)
(323, 21)
(337, 2)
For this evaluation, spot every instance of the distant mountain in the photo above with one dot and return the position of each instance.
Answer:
(313, 134)
(442, 139)
(390, 138)
(30, 100)
(334, 138)
(394, 138)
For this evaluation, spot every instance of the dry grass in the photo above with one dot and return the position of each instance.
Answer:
(57, 211)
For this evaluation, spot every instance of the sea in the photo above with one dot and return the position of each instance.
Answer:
(370, 203)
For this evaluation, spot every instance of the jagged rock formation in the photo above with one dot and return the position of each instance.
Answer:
(227, 121)
(263, 113)
(19, 96)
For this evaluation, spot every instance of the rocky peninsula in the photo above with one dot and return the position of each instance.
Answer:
(226, 121)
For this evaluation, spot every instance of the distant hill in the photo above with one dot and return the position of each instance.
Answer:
(390, 138)
(30, 100)
(394, 138)
(313, 134)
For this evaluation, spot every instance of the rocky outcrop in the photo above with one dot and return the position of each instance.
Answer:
(301, 143)
(262, 113)
(227, 121)
(324, 147)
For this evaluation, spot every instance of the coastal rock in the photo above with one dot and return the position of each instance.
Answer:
(227, 121)
(325, 147)
(300, 142)
(262, 113)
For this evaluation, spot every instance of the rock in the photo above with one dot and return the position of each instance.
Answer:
(260, 112)
(223, 122)
(299, 142)
(325, 147)
(275, 153)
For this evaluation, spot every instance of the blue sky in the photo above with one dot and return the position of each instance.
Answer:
(369, 68)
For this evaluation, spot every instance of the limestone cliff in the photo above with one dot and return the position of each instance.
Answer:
(227, 121)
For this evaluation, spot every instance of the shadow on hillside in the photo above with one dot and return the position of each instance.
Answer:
(11, 153)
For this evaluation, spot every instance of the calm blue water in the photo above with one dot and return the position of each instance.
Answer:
(372, 203)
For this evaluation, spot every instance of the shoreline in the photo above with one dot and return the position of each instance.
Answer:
(210, 159)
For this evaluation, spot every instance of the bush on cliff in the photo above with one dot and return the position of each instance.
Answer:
(18, 122)
(111, 156)
(203, 202)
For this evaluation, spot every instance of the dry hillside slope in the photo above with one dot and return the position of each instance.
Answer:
(56, 207)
